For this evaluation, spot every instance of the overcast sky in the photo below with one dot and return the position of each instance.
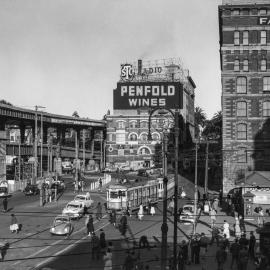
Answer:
(66, 54)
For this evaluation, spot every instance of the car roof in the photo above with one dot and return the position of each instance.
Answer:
(62, 216)
(74, 202)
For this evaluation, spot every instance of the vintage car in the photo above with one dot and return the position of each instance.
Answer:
(61, 225)
(85, 199)
(31, 190)
(74, 209)
(187, 215)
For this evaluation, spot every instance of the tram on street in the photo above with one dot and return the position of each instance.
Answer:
(130, 196)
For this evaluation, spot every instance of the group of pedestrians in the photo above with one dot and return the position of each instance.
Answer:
(150, 210)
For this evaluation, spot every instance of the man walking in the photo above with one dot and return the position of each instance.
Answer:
(252, 243)
(234, 249)
(95, 247)
(221, 257)
(5, 204)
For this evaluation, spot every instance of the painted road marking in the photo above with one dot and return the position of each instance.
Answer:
(67, 248)
(55, 243)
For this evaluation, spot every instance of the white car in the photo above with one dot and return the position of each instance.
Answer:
(74, 209)
(187, 218)
(85, 199)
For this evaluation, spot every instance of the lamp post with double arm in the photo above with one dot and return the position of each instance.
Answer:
(164, 227)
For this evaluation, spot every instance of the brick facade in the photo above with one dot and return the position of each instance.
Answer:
(245, 69)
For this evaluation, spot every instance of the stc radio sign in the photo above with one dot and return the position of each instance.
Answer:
(133, 95)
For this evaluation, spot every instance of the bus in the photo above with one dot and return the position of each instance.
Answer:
(130, 196)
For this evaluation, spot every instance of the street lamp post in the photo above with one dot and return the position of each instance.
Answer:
(196, 188)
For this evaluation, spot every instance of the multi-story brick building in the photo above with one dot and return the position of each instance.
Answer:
(149, 87)
(244, 29)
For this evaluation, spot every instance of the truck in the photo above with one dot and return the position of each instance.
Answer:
(4, 191)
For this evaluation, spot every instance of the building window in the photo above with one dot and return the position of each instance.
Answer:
(143, 137)
(133, 137)
(241, 131)
(263, 11)
(241, 85)
(266, 108)
(236, 12)
(266, 83)
(121, 124)
(132, 124)
(245, 38)
(245, 65)
(144, 124)
(263, 37)
(110, 137)
(242, 155)
(120, 138)
(144, 151)
(236, 65)
(236, 38)
(263, 65)
(241, 108)
(155, 137)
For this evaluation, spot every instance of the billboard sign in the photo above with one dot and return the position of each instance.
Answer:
(134, 95)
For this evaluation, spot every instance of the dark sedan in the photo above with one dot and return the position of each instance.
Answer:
(31, 190)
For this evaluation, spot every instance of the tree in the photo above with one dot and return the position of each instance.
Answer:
(213, 127)
(2, 101)
(75, 114)
(199, 120)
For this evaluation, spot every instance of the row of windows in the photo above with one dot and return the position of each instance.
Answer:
(263, 37)
(121, 137)
(263, 65)
(237, 12)
(241, 84)
(155, 123)
(241, 108)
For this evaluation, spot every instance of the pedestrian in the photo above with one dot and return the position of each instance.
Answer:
(234, 250)
(171, 206)
(100, 184)
(113, 217)
(95, 247)
(143, 243)
(221, 257)
(192, 248)
(243, 258)
(213, 217)
(102, 241)
(152, 209)
(224, 241)
(197, 249)
(90, 225)
(128, 263)
(5, 204)
(243, 240)
(237, 230)
(215, 235)
(251, 247)
(107, 258)
(260, 219)
(3, 249)
(99, 211)
(242, 225)
(123, 224)
(50, 194)
(148, 207)
(86, 223)
(14, 227)
(204, 243)
(184, 246)
(215, 205)
(181, 260)
(140, 213)
(226, 229)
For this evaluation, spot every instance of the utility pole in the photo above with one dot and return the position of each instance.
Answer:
(76, 161)
(19, 164)
(196, 187)
(83, 149)
(206, 168)
(41, 142)
(35, 148)
(164, 226)
(175, 227)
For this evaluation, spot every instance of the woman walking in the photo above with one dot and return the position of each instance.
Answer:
(237, 230)
(14, 224)
(99, 211)
(140, 213)
(226, 229)
(152, 209)
(90, 225)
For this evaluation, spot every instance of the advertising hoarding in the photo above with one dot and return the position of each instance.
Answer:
(134, 95)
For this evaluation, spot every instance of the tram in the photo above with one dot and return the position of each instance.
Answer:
(123, 196)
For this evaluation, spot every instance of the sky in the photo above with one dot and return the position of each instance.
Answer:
(65, 55)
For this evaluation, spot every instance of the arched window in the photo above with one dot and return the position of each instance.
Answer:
(143, 137)
(245, 65)
(241, 85)
(266, 108)
(133, 124)
(144, 124)
(241, 108)
(133, 137)
(144, 151)
(263, 65)
(236, 65)
(155, 137)
(241, 131)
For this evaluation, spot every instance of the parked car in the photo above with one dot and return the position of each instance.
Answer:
(67, 165)
(31, 190)
(61, 225)
(74, 209)
(85, 199)
(143, 172)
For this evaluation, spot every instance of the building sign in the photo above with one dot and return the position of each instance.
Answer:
(152, 70)
(134, 95)
(264, 20)
(127, 72)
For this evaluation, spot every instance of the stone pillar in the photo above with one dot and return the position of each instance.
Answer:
(33, 134)
(22, 133)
